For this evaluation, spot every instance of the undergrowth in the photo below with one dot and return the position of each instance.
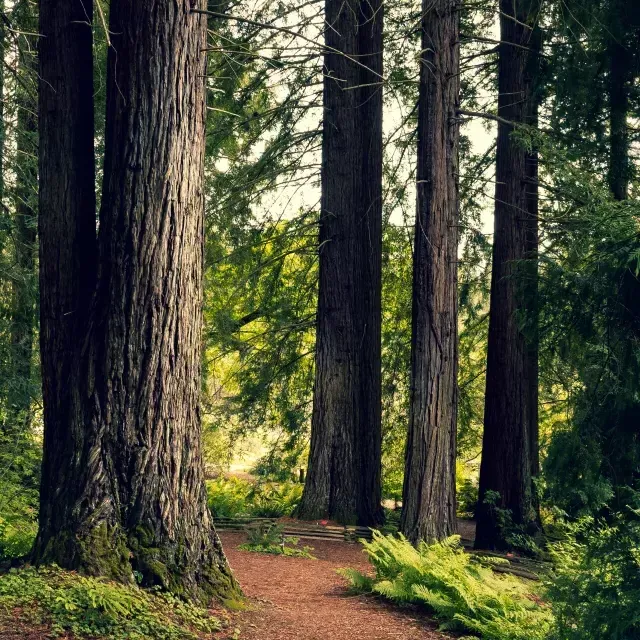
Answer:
(234, 497)
(269, 538)
(596, 587)
(463, 593)
(93, 607)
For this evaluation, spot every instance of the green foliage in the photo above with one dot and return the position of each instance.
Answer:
(467, 496)
(590, 340)
(268, 537)
(596, 587)
(19, 482)
(464, 594)
(513, 536)
(233, 497)
(92, 607)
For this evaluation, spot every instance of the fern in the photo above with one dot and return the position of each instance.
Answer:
(463, 593)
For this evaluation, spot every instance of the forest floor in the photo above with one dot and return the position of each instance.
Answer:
(303, 599)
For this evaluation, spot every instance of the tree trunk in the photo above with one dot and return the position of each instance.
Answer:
(507, 456)
(67, 238)
(343, 480)
(620, 76)
(138, 501)
(532, 239)
(23, 294)
(429, 493)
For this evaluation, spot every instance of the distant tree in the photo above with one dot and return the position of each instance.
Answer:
(509, 447)
(429, 493)
(343, 481)
(23, 285)
(123, 486)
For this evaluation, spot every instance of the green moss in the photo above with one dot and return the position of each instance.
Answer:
(168, 565)
(97, 551)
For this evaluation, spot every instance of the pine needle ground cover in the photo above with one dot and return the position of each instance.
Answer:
(84, 607)
(463, 594)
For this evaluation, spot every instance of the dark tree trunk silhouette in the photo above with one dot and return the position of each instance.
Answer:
(620, 61)
(343, 481)
(429, 494)
(508, 456)
(134, 497)
(23, 289)
(67, 238)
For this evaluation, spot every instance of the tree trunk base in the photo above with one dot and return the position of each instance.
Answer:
(196, 571)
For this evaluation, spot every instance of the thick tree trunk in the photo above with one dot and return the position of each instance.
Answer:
(343, 481)
(23, 294)
(429, 494)
(139, 502)
(507, 456)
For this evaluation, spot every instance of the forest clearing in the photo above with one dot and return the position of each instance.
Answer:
(320, 319)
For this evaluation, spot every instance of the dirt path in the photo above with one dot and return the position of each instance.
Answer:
(301, 599)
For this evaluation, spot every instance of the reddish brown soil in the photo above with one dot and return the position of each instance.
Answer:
(302, 599)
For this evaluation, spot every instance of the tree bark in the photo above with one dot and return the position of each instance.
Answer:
(138, 501)
(507, 455)
(620, 77)
(429, 493)
(67, 237)
(343, 480)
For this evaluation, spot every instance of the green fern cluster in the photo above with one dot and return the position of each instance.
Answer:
(463, 594)
(235, 497)
(71, 604)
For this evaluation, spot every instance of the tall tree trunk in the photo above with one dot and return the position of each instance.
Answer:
(343, 481)
(507, 456)
(23, 295)
(429, 493)
(532, 240)
(138, 500)
(620, 76)
(67, 238)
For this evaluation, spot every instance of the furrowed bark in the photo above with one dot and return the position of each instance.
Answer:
(507, 455)
(140, 503)
(343, 481)
(429, 493)
(67, 241)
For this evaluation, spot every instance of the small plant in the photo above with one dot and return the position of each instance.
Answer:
(460, 590)
(513, 536)
(93, 607)
(269, 538)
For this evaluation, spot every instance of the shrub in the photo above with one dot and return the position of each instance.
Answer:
(19, 481)
(269, 538)
(227, 497)
(95, 607)
(463, 594)
(596, 588)
(233, 498)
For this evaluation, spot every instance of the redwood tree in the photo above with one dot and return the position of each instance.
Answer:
(509, 447)
(123, 486)
(429, 493)
(343, 481)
